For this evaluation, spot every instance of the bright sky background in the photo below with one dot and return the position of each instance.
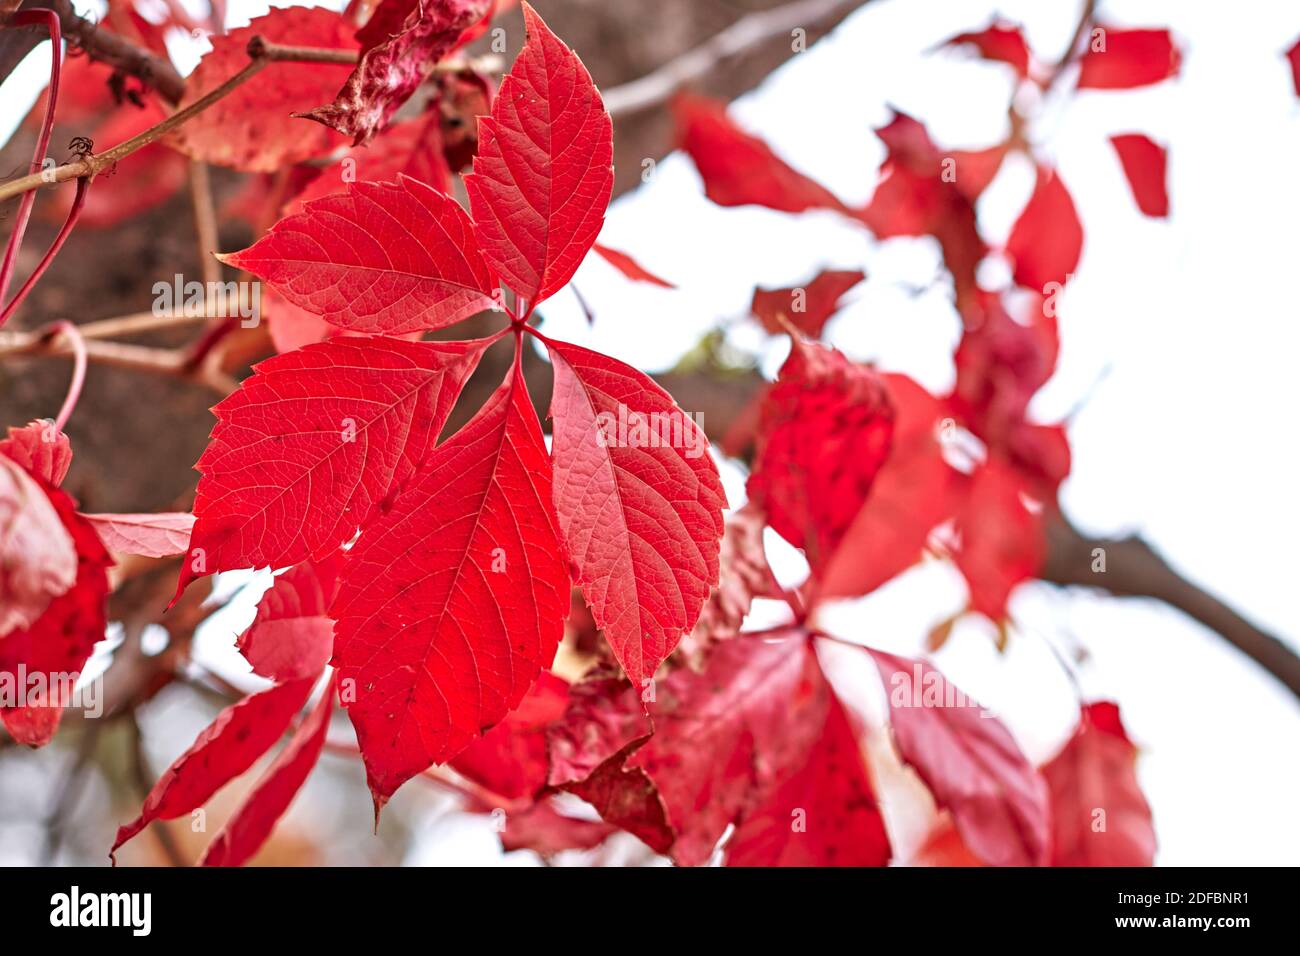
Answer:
(1176, 333)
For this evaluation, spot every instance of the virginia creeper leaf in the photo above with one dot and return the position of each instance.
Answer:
(41, 449)
(543, 174)
(226, 748)
(1123, 59)
(149, 535)
(739, 169)
(38, 559)
(825, 814)
(292, 636)
(629, 266)
(510, 760)
(381, 257)
(1144, 164)
(61, 640)
(1000, 42)
(1047, 239)
(824, 408)
(1099, 815)
(453, 600)
(250, 825)
(312, 442)
(807, 307)
(969, 761)
(394, 62)
(639, 503)
(253, 129)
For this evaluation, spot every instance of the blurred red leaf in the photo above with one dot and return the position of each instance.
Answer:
(1122, 59)
(969, 761)
(1047, 240)
(1000, 42)
(38, 557)
(807, 307)
(1099, 815)
(1144, 164)
(253, 128)
(739, 169)
(41, 449)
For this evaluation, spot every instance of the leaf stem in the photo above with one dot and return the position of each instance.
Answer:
(51, 21)
(69, 331)
(74, 214)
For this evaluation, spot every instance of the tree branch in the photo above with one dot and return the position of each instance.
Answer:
(111, 48)
(746, 33)
(1134, 569)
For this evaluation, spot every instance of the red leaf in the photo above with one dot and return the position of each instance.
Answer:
(969, 761)
(455, 599)
(1047, 239)
(639, 503)
(225, 749)
(58, 644)
(745, 575)
(1002, 541)
(925, 192)
(511, 759)
(824, 815)
(394, 62)
(292, 636)
(1001, 363)
(544, 172)
(724, 743)
(38, 558)
(291, 326)
(913, 492)
(1123, 59)
(413, 148)
(313, 442)
(1293, 57)
(148, 535)
(40, 448)
(807, 307)
(253, 129)
(823, 408)
(250, 825)
(382, 257)
(544, 830)
(1099, 815)
(739, 169)
(629, 266)
(1144, 164)
(999, 42)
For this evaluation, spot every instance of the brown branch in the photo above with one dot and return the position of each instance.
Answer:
(1134, 569)
(113, 49)
(745, 34)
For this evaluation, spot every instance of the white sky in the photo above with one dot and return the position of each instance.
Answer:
(1188, 439)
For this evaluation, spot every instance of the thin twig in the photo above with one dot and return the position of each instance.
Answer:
(746, 33)
(144, 781)
(78, 201)
(113, 49)
(69, 331)
(51, 23)
(205, 221)
(92, 165)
